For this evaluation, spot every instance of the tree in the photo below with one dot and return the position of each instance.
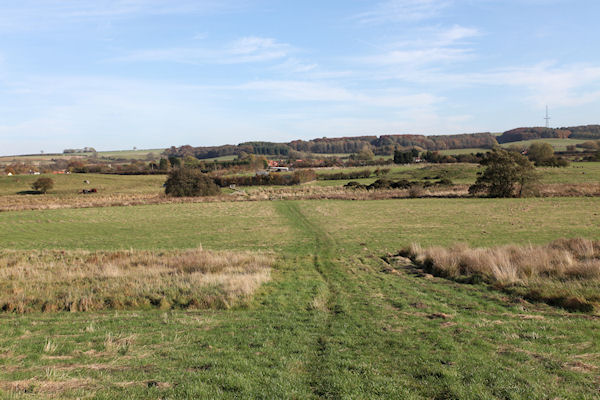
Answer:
(190, 182)
(506, 173)
(541, 153)
(405, 157)
(163, 165)
(365, 154)
(43, 184)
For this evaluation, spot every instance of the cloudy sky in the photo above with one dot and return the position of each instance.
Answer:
(114, 74)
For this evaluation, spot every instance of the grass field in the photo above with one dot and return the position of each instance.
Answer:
(115, 154)
(131, 154)
(558, 144)
(68, 187)
(334, 322)
(71, 184)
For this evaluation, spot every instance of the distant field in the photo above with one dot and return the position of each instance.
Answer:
(71, 184)
(582, 172)
(222, 158)
(558, 144)
(38, 158)
(117, 154)
(131, 154)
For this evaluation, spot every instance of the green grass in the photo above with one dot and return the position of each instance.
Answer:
(130, 154)
(69, 184)
(581, 172)
(558, 144)
(333, 323)
(458, 173)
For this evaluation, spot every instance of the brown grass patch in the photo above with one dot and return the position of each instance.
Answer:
(301, 192)
(84, 281)
(563, 273)
(47, 387)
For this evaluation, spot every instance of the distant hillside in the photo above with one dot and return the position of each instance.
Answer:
(574, 132)
(382, 145)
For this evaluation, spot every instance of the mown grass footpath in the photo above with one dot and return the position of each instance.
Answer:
(335, 321)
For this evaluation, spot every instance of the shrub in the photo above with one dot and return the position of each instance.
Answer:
(416, 192)
(357, 174)
(304, 175)
(190, 182)
(276, 178)
(505, 173)
(43, 184)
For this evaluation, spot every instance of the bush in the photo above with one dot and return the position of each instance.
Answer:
(43, 184)
(336, 176)
(275, 178)
(505, 173)
(190, 182)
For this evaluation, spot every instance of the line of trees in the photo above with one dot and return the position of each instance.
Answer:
(382, 145)
(573, 132)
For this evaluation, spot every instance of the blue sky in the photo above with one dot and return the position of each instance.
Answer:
(114, 74)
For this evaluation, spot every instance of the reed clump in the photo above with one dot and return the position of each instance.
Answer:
(565, 272)
(53, 280)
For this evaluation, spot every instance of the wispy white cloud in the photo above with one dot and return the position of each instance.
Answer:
(310, 91)
(567, 85)
(27, 15)
(402, 10)
(294, 66)
(244, 50)
(433, 46)
(455, 34)
(419, 56)
(547, 82)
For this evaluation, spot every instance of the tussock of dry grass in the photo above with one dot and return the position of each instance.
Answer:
(85, 281)
(565, 272)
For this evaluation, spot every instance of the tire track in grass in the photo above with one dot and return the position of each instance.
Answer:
(320, 370)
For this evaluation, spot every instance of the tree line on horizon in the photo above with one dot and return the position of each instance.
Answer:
(384, 144)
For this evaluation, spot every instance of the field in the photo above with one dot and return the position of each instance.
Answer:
(334, 321)
(71, 184)
(117, 154)
(558, 144)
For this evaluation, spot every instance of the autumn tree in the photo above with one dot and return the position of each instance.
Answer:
(183, 182)
(43, 184)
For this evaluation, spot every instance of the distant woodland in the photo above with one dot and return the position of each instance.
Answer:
(382, 145)
(574, 132)
(385, 144)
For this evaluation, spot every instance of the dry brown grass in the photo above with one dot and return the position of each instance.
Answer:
(302, 192)
(84, 281)
(569, 190)
(565, 272)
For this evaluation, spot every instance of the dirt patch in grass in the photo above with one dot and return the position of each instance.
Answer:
(51, 281)
(564, 273)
